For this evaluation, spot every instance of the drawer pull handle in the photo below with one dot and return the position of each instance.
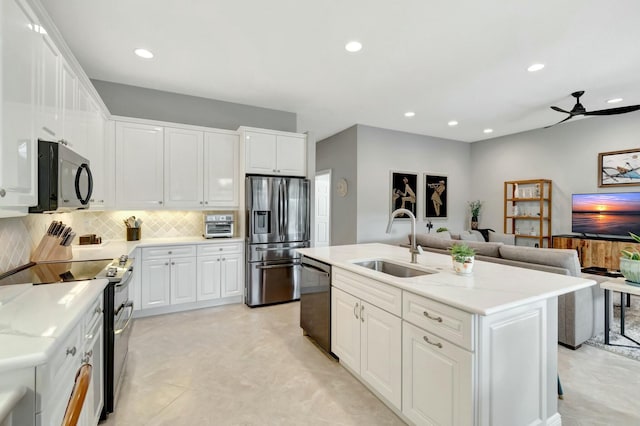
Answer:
(71, 351)
(426, 314)
(98, 310)
(89, 354)
(362, 313)
(426, 339)
(355, 310)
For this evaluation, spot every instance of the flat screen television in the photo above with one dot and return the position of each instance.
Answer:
(616, 213)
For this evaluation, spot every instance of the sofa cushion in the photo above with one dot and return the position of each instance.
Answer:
(562, 258)
(496, 237)
(445, 235)
(471, 236)
(485, 249)
(428, 240)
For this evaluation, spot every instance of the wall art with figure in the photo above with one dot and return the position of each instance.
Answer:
(435, 200)
(403, 192)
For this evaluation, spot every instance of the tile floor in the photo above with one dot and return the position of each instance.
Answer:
(234, 365)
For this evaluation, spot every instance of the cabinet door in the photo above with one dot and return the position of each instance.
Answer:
(139, 166)
(69, 115)
(381, 352)
(345, 328)
(221, 169)
(291, 155)
(183, 168)
(260, 153)
(437, 379)
(18, 148)
(231, 274)
(208, 277)
(49, 81)
(183, 280)
(154, 280)
(81, 123)
(98, 156)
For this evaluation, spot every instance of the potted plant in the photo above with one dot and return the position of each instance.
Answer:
(475, 207)
(630, 262)
(463, 257)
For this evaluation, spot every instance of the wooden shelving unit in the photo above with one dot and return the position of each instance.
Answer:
(527, 211)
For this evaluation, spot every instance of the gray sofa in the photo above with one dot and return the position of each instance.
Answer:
(580, 313)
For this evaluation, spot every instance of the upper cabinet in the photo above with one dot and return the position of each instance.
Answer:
(19, 60)
(274, 153)
(191, 169)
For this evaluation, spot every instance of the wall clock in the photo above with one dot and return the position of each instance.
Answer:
(341, 188)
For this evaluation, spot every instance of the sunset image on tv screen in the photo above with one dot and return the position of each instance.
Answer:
(607, 214)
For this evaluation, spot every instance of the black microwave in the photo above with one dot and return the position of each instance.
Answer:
(65, 181)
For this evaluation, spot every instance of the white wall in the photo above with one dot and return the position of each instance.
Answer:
(567, 154)
(381, 151)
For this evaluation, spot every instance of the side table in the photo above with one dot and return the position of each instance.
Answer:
(620, 285)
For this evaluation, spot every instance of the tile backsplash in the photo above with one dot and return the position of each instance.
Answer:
(18, 236)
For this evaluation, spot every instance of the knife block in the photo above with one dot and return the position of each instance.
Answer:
(49, 249)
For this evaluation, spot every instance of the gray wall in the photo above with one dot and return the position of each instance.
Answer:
(339, 153)
(567, 154)
(381, 151)
(139, 102)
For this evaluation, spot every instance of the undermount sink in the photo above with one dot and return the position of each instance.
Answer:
(391, 268)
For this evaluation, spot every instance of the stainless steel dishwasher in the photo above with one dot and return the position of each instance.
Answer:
(315, 302)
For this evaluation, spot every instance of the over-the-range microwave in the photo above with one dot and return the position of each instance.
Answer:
(64, 179)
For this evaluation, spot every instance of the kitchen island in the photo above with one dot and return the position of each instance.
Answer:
(442, 348)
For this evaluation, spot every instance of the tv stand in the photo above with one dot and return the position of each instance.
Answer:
(598, 252)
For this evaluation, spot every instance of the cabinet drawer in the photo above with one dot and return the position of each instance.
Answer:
(379, 294)
(168, 251)
(94, 312)
(442, 320)
(211, 249)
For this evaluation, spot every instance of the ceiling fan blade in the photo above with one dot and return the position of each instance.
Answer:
(612, 111)
(561, 121)
(555, 108)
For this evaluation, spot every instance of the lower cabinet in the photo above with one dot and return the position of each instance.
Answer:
(368, 340)
(219, 276)
(437, 385)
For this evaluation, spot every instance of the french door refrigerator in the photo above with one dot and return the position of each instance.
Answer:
(277, 210)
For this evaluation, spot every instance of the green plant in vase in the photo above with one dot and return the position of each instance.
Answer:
(475, 207)
(463, 258)
(630, 262)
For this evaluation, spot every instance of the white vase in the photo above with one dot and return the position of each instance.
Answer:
(463, 268)
(630, 269)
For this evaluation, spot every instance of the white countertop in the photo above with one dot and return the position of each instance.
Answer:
(116, 248)
(491, 288)
(34, 318)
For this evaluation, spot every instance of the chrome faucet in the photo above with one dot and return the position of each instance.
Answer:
(415, 249)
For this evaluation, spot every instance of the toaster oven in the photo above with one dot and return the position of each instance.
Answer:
(218, 226)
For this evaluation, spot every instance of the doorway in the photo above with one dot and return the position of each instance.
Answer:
(322, 215)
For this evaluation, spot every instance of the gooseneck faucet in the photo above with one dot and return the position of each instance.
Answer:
(415, 249)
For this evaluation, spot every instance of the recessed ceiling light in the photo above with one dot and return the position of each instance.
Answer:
(614, 100)
(488, 130)
(409, 114)
(535, 67)
(143, 53)
(452, 123)
(353, 46)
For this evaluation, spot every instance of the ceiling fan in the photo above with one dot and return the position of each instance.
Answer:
(578, 109)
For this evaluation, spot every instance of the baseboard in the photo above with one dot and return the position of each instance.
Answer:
(554, 420)
(141, 313)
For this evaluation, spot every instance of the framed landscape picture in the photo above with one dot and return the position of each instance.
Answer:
(403, 192)
(619, 168)
(435, 196)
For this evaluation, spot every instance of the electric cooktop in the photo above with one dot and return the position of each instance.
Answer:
(54, 272)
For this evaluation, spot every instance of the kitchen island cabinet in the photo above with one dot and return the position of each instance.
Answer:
(479, 349)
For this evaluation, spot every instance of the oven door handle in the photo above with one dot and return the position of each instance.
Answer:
(129, 304)
(315, 269)
(279, 248)
(282, 265)
(125, 277)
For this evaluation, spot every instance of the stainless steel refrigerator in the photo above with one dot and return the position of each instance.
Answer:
(277, 210)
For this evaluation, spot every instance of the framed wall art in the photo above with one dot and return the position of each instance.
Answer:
(404, 187)
(619, 168)
(435, 196)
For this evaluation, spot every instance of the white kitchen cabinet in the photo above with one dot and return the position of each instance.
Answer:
(221, 180)
(50, 117)
(139, 166)
(275, 153)
(219, 271)
(98, 157)
(69, 114)
(155, 283)
(437, 379)
(19, 60)
(183, 168)
(168, 276)
(368, 340)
